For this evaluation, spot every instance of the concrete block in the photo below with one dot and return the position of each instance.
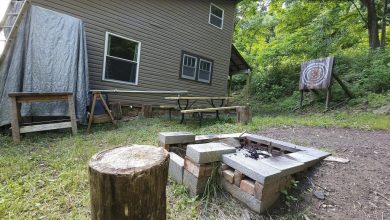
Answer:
(199, 170)
(209, 152)
(228, 175)
(176, 138)
(176, 167)
(317, 153)
(194, 185)
(254, 169)
(248, 186)
(258, 190)
(285, 165)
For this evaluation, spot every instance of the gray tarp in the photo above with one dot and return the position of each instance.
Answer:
(49, 55)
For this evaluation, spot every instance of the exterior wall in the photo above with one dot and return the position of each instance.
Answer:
(165, 28)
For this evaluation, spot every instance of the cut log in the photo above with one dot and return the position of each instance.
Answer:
(147, 111)
(116, 109)
(129, 183)
(244, 115)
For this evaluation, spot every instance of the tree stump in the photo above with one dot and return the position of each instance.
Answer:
(116, 110)
(244, 114)
(147, 111)
(129, 183)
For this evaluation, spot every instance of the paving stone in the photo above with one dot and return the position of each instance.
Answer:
(199, 170)
(302, 157)
(228, 175)
(209, 152)
(285, 165)
(176, 138)
(176, 167)
(248, 186)
(232, 142)
(317, 153)
(194, 185)
(213, 137)
(254, 169)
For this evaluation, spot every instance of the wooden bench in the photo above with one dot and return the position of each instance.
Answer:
(207, 110)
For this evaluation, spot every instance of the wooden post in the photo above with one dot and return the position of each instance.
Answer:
(129, 183)
(72, 114)
(243, 114)
(147, 111)
(15, 118)
(116, 109)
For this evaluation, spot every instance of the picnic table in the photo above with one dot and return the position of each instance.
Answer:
(185, 104)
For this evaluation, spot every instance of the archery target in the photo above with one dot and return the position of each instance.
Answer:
(316, 74)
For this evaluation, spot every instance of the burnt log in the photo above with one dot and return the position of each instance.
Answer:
(129, 183)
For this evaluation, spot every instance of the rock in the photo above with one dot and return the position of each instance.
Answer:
(336, 159)
(384, 110)
(319, 195)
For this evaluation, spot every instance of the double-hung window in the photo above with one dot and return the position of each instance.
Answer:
(216, 16)
(197, 68)
(121, 59)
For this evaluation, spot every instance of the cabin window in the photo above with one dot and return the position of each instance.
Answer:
(121, 60)
(204, 71)
(216, 16)
(197, 68)
(189, 67)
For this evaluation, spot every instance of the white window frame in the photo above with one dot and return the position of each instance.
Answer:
(106, 55)
(182, 67)
(210, 72)
(223, 16)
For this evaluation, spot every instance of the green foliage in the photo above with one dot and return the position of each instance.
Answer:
(277, 36)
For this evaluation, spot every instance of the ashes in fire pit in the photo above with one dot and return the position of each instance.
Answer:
(254, 169)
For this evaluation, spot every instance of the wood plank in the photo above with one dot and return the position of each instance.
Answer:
(14, 111)
(45, 127)
(72, 114)
(13, 94)
(197, 98)
(207, 109)
(28, 99)
(137, 91)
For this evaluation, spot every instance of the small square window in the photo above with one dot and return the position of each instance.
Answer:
(189, 67)
(204, 71)
(121, 60)
(216, 16)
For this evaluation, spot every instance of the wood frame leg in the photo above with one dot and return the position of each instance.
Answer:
(107, 108)
(72, 114)
(15, 119)
(92, 112)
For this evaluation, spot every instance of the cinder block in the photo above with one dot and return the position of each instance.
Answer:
(194, 185)
(176, 167)
(285, 165)
(176, 138)
(242, 196)
(207, 153)
(228, 175)
(258, 190)
(248, 186)
(199, 170)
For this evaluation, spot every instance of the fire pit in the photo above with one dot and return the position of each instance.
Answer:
(254, 169)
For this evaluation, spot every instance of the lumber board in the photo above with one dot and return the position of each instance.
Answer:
(138, 91)
(45, 127)
(198, 98)
(208, 109)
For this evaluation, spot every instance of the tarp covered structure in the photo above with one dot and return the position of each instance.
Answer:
(48, 55)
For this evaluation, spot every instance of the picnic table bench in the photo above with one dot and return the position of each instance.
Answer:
(189, 101)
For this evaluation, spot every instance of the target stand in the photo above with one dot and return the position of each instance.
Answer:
(318, 75)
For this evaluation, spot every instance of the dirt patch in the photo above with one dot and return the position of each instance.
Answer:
(359, 189)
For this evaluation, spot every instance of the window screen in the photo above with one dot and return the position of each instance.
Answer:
(216, 16)
(204, 71)
(189, 67)
(196, 68)
(121, 59)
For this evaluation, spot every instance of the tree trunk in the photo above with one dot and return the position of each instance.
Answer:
(147, 111)
(383, 36)
(129, 183)
(373, 35)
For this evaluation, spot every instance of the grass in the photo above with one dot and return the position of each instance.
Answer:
(45, 177)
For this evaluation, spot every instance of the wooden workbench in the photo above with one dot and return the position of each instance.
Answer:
(16, 100)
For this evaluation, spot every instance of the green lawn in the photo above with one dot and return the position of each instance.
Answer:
(45, 177)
